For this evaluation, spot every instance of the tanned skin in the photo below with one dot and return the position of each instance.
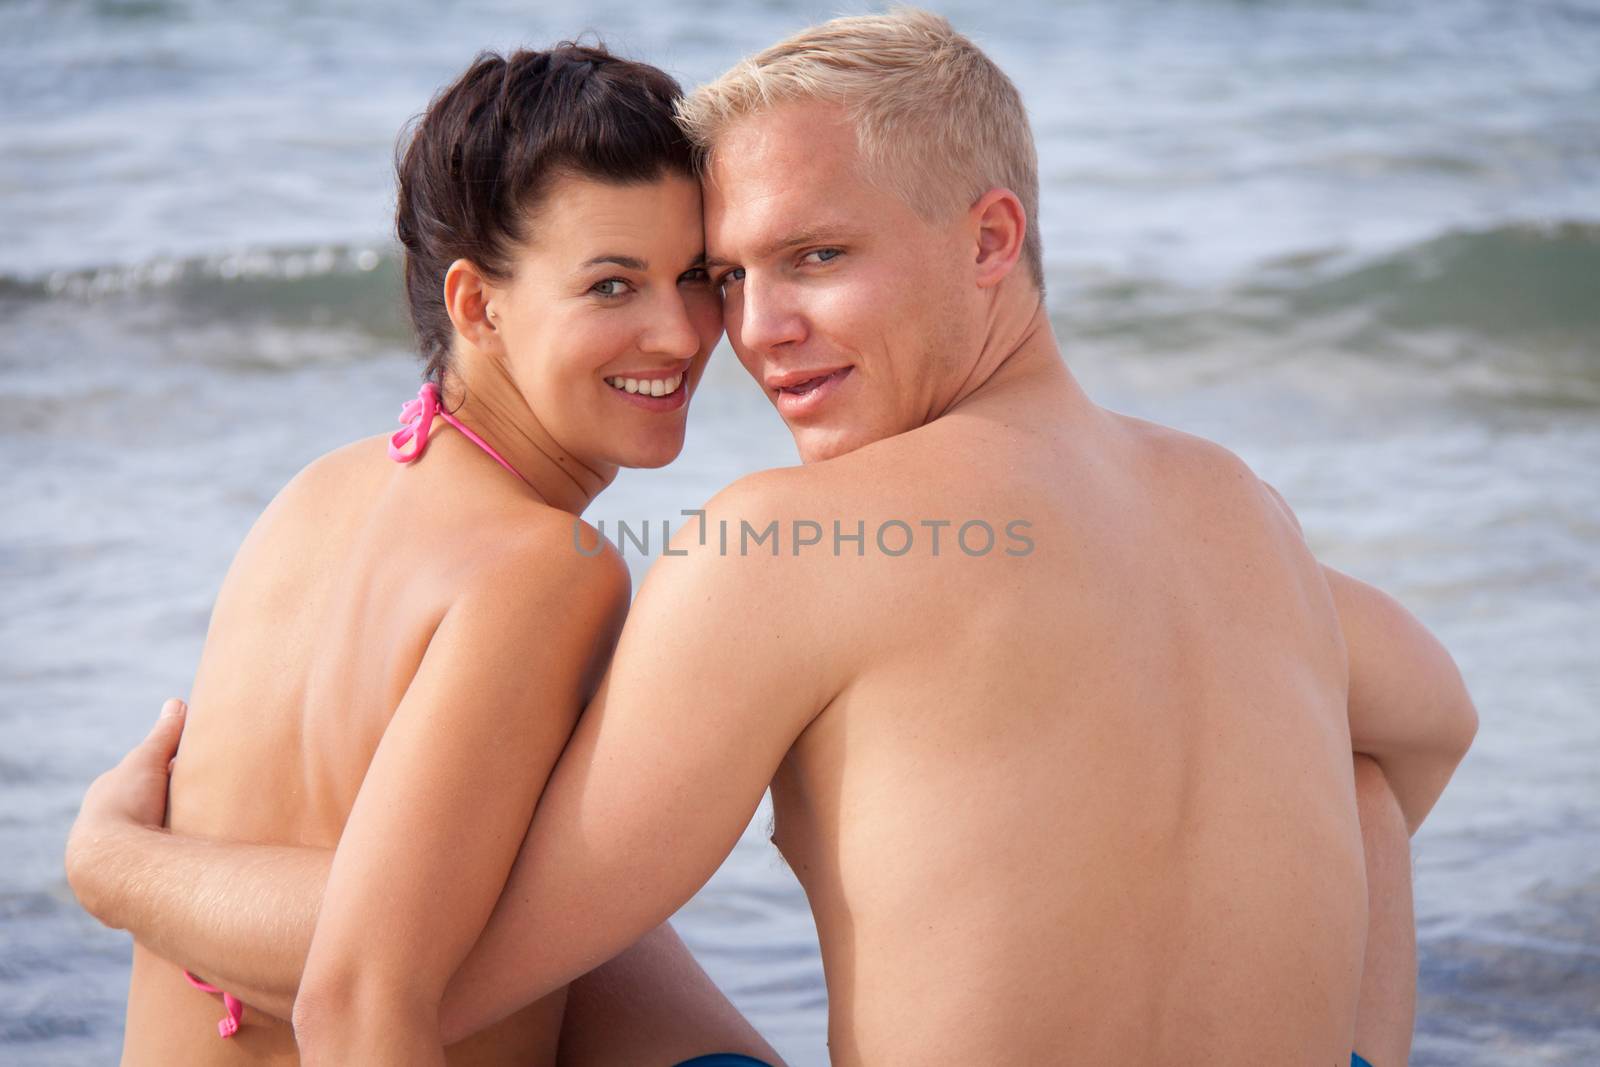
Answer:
(1089, 802)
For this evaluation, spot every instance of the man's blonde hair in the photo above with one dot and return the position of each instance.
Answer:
(937, 123)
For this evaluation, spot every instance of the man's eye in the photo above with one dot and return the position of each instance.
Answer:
(823, 255)
(734, 275)
(609, 287)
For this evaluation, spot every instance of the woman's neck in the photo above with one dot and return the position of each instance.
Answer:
(490, 404)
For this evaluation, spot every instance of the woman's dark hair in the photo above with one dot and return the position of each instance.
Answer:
(489, 146)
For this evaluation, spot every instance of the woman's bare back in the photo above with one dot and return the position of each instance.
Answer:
(316, 634)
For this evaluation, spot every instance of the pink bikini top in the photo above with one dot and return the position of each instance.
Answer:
(417, 416)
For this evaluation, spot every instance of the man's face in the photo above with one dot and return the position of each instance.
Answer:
(859, 318)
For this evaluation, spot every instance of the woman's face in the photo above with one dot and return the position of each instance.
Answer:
(608, 317)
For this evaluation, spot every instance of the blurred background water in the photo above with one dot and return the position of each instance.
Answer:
(1357, 241)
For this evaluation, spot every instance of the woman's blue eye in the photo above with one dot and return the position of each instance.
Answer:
(609, 287)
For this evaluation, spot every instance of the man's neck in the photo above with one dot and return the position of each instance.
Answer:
(485, 399)
(1019, 348)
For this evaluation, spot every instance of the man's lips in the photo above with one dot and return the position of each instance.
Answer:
(800, 382)
(805, 394)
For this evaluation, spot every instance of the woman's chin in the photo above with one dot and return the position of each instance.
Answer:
(650, 456)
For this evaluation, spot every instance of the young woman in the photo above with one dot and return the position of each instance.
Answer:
(411, 629)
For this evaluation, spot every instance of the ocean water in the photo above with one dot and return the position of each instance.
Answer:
(1357, 241)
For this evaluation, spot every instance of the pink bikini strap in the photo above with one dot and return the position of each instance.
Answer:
(229, 1024)
(417, 417)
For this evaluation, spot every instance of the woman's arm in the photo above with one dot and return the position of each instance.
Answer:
(447, 799)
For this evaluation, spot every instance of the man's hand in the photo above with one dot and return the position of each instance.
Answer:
(131, 794)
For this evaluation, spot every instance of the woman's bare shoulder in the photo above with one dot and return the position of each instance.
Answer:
(542, 553)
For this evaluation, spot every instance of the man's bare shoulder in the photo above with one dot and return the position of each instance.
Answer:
(782, 491)
(1182, 454)
(1205, 474)
(732, 576)
(764, 546)
(715, 544)
(907, 476)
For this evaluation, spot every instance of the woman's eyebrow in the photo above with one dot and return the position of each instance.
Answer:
(630, 262)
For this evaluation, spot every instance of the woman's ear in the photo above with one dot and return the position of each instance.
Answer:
(999, 225)
(467, 293)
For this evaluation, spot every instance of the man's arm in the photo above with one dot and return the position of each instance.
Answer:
(651, 1001)
(724, 661)
(1409, 709)
(1387, 1008)
(239, 915)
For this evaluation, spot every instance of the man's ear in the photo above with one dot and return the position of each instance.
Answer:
(999, 225)
(467, 296)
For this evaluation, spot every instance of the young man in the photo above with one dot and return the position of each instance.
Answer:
(1057, 709)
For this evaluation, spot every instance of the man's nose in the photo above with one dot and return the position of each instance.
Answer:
(768, 318)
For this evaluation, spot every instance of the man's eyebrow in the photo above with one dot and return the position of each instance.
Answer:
(807, 236)
(622, 261)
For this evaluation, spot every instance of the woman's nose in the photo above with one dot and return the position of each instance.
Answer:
(672, 331)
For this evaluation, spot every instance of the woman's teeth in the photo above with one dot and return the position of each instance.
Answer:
(647, 386)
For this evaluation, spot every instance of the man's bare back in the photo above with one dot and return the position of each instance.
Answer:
(1099, 793)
